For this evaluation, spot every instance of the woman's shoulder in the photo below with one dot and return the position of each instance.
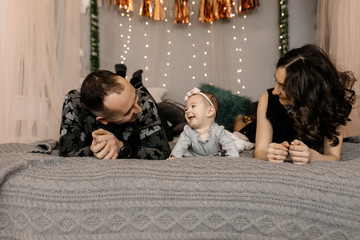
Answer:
(269, 91)
(267, 94)
(264, 98)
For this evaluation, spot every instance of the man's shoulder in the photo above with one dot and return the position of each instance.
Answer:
(73, 94)
(143, 95)
(73, 100)
(145, 100)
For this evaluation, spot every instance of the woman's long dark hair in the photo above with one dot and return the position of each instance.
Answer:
(321, 97)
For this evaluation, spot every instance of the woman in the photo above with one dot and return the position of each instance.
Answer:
(305, 111)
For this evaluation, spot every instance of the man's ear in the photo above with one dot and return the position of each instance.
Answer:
(102, 120)
(211, 111)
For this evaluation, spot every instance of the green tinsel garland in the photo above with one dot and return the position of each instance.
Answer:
(94, 36)
(284, 26)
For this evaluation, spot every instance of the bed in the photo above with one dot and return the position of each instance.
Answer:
(44, 196)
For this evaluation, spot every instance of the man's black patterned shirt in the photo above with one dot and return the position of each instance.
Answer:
(146, 137)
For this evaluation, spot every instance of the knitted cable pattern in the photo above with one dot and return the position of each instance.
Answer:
(44, 196)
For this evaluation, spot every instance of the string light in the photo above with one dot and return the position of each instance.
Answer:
(207, 46)
(127, 38)
(197, 51)
(238, 51)
(167, 61)
(193, 45)
(147, 47)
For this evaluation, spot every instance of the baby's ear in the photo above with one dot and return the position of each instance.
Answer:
(211, 111)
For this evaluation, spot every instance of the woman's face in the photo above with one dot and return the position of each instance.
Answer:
(280, 76)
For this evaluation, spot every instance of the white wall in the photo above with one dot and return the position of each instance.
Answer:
(259, 53)
(302, 22)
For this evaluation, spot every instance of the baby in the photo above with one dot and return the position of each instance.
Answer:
(202, 136)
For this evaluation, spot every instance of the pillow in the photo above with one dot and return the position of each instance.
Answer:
(230, 105)
(157, 93)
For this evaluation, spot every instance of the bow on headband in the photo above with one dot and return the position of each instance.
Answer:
(194, 91)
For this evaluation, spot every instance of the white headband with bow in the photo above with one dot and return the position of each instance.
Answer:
(194, 91)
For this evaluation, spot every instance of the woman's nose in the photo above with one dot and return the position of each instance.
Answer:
(276, 90)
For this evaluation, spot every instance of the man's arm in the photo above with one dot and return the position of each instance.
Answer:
(76, 127)
(154, 143)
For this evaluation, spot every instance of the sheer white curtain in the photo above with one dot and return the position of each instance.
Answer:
(39, 63)
(339, 34)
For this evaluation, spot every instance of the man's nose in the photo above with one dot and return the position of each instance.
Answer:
(138, 109)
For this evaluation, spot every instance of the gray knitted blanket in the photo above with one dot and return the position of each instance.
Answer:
(43, 196)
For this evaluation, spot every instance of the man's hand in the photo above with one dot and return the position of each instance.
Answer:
(277, 152)
(105, 145)
(299, 152)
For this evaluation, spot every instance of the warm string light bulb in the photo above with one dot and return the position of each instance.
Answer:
(192, 8)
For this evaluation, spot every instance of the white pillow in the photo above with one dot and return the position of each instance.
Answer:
(157, 93)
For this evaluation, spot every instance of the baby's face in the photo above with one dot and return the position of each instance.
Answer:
(196, 111)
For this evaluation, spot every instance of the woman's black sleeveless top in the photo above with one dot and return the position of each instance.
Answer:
(282, 124)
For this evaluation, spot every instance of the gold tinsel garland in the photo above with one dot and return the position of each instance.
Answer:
(209, 10)
(159, 11)
(126, 5)
(181, 12)
(245, 5)
(146, 8)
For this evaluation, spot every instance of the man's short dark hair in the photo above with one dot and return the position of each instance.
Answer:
(96, 86)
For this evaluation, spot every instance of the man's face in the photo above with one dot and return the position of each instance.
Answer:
(122, 107)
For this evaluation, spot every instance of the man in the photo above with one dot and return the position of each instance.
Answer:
(111, 119)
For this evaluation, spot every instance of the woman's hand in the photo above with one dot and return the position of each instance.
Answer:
(300, 153)
(277, 152)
